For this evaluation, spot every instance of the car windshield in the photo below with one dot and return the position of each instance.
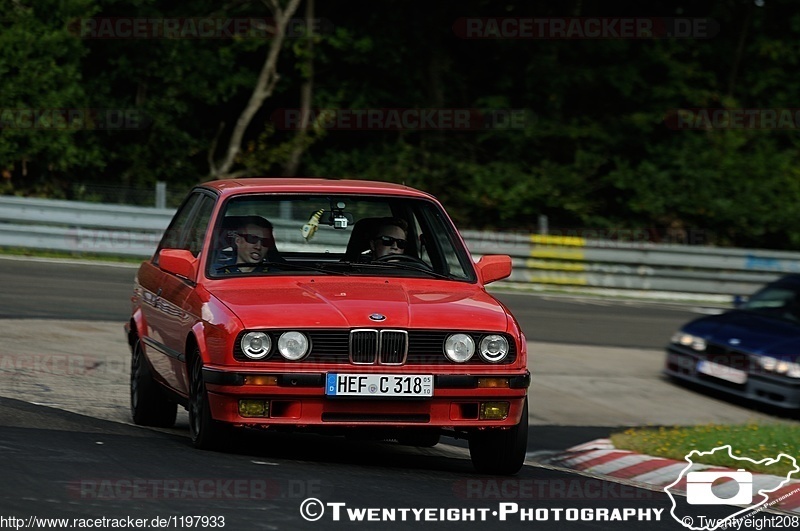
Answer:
(268, 234)
(780, 300)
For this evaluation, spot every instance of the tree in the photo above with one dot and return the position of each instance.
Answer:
(41, 95)
(263, 89)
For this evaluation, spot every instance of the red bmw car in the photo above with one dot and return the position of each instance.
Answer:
(336, 306)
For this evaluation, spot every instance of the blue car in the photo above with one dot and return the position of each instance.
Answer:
(752, 352)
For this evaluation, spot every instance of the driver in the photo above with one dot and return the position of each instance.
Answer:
(390, 238)
(253, 240)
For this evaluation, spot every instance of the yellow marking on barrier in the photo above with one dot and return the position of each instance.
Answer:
(546, 239)
(557, 253)
(555, 266)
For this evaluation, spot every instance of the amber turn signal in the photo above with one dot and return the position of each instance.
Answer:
(495, 383)
(260, 379)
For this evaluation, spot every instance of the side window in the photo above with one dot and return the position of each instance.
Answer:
(199, 226)
(441, 247)
(174, 235)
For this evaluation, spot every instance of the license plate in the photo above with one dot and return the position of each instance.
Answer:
(722, 372)
(406, 385)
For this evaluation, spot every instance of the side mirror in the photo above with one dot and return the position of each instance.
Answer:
(178, 262)
(493, 267)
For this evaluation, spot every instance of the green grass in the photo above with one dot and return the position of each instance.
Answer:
(754, 441)
(13, 251)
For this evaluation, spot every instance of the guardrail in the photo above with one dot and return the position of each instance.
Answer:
(572, 261)
(538, 259)
(72, 226)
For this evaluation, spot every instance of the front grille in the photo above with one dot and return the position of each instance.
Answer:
(394, 347)
(386, 347)
(375, 346)
(363, 346)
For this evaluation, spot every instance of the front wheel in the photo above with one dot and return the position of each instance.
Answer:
(500, 451)
(149, 404)
(207, 434)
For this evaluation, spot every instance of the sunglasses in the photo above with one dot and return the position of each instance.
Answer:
(252, 239)
(388, 241)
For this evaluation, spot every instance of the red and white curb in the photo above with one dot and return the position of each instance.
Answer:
(599, 457)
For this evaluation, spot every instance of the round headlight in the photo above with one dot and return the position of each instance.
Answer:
(794, 370)
(494, 348)
(768, 363)
(688, 340)
(459, 347)
(255, 345)
(293, 345)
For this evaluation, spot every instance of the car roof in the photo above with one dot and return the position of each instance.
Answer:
(311, 185)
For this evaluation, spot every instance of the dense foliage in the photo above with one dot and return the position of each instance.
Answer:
(596, 149)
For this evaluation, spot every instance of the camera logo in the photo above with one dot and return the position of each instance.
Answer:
(700, 487)
(744, 493)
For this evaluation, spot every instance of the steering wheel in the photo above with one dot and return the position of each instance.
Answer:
(404, 258)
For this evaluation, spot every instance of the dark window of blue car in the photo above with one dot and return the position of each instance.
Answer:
(779, 301)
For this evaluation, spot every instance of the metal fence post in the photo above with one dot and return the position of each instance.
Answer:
(543, 228)
(161, 194)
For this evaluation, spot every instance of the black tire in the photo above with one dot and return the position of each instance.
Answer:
(421, 438)
(207, 434)
(496, 451)
(149, 404)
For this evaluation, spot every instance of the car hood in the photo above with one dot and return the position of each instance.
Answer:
(750, 332)
(337, 303)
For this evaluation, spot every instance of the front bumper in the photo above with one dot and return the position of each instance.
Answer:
(299, 400)
(767, 389)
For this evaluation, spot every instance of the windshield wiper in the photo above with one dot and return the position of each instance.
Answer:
(279, 265)
(406, 267)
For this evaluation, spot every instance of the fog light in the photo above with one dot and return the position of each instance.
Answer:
(260, 379)
(494, 410)
(493, 382)
(254, 408)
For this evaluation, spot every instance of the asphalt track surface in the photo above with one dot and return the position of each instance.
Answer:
(63, 465)
(60, 465)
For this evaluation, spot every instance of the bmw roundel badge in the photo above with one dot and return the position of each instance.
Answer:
(377, 317)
